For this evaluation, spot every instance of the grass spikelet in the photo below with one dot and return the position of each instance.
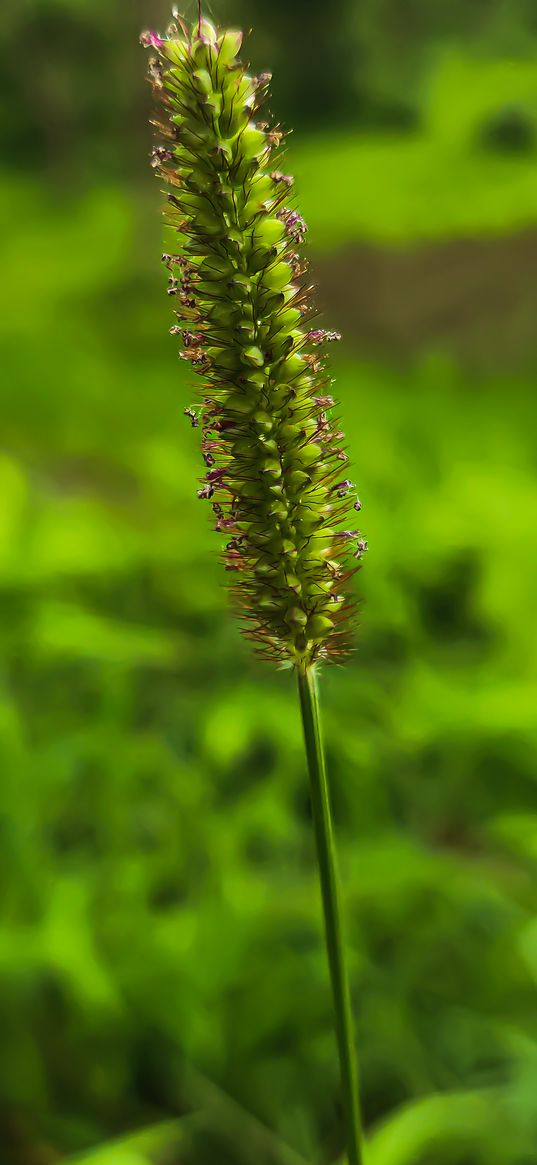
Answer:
(276, 469)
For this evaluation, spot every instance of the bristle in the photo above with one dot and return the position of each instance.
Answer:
(275, 464)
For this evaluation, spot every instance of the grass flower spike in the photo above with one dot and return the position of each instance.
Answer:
(276, 466)
(275, 463)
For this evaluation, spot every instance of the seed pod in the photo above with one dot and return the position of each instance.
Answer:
(272, 452)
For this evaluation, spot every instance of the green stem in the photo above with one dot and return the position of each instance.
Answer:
(326, 856)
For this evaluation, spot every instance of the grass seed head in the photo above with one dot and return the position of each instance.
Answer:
(273, 454)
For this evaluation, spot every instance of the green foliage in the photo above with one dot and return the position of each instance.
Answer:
(439, 181)
(158, 898)
(160, 942)
(152, 1146)
(447, 1123)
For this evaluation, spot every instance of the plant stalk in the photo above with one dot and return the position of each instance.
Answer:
(326, 857)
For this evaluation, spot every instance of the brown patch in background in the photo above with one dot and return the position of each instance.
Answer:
(473, 298)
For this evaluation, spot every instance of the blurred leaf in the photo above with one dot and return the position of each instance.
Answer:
(432, 1124)
(64, 629)
(142, 1148)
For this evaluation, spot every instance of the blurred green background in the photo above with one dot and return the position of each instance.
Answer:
(163, 987)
